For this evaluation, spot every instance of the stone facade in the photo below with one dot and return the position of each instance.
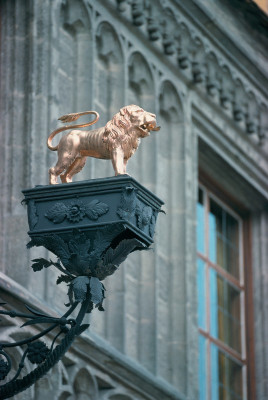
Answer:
(201, 67)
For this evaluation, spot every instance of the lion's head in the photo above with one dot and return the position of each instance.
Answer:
(130, 121)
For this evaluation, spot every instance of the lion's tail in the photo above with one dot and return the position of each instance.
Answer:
(70, 118)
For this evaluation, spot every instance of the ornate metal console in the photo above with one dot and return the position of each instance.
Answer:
(91, 227)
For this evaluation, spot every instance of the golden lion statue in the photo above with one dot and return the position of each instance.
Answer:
(117, 141)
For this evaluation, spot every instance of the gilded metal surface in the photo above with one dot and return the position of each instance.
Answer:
(116, 141)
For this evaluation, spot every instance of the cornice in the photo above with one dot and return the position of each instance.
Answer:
(232, 49)
(179, 31)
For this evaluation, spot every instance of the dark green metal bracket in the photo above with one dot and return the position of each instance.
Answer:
(91, 227)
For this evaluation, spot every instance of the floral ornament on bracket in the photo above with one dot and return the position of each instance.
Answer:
(76, 211)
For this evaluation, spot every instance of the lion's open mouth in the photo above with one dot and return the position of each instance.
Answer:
(147, 128)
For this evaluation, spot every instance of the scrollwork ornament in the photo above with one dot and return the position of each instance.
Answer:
(84, 288)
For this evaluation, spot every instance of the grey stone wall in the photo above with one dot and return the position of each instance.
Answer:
(209, 92)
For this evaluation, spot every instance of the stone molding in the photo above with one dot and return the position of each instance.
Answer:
(204, 62)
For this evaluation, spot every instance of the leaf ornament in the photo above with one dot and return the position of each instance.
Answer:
(70, 295)
(63, 278)
(119, 254)
(79, 288)
(128, 203)
(95, 209)
(114, 257)
(102, 271)
(96, 291)
(57, 213)
(40, 263)
(144, 216)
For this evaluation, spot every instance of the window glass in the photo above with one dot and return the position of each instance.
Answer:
(226, 379)
(201, 290)
(216, 234)
(223, 239)
(200, 222)
(202, 367)
(225, 320)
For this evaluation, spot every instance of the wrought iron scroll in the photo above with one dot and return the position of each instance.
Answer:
(82, 267)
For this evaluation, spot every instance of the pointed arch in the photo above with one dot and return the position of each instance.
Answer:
(109, 84)
(85, 386)
(75, 47)
(141, 84)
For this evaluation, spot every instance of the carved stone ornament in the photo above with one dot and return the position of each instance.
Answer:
(117, 141)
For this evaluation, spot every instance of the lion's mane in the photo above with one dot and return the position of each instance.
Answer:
(119, 130)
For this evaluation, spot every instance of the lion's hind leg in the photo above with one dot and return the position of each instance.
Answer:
(54, 172)
(73, 169)
(52, 176)
(63, 164)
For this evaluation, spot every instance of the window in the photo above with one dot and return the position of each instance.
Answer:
(221, 300)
